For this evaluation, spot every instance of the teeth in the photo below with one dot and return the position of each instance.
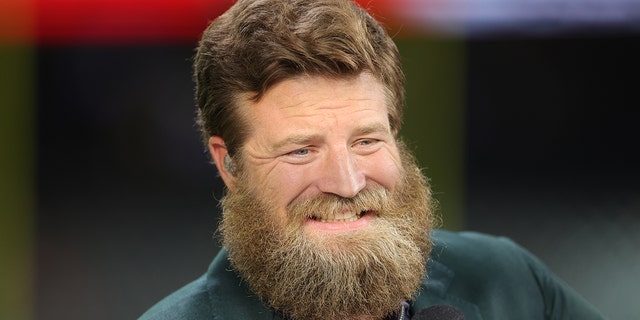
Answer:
(341, 217)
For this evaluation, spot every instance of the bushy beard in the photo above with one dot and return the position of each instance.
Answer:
(366, 273)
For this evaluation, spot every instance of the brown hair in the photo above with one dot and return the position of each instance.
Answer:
(258, 43)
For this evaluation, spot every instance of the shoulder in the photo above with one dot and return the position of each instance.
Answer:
(465, 240)
(219, 294)
(495, 278)
(189, 302)
(467, 263)
(482, 251)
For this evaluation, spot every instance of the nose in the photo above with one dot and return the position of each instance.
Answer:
(342, 176)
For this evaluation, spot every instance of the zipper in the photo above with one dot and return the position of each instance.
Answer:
(401, 312)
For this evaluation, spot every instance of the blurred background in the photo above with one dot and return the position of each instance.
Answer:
(524, 115)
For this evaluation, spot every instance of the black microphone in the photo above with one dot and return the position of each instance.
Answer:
(439, 312)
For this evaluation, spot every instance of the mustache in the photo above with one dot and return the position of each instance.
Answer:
(372, 198)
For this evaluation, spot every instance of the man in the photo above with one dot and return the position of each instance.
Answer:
(326, 215)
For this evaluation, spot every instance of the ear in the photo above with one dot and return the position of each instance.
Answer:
(218, 151)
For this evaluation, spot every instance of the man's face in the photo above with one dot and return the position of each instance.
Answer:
(312, 136)
(329, 217)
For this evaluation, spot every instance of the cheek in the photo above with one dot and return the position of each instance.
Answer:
(285, 184)
(383, 169)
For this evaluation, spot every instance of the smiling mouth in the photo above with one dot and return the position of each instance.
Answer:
(340, 217)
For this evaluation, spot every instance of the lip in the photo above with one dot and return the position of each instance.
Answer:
(339, 226)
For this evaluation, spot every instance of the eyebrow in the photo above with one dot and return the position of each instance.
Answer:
(297, 139)
(372, 128)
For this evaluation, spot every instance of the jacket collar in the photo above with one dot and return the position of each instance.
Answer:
(435, 290)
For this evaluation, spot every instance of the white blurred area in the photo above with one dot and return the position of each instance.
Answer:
(487, 17)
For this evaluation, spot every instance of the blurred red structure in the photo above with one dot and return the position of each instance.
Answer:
(95, 22)
(123, 21)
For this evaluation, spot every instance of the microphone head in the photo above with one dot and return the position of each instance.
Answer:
(439, 312)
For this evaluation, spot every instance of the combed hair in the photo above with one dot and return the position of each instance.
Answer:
(258, 43)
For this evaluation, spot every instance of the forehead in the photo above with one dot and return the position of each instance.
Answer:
(317, 97)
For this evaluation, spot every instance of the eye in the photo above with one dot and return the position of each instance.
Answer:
(366, 142)
(299, 152)
(366, 146)
(299, 156)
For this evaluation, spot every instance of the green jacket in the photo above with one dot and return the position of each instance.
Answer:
(486, 277)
